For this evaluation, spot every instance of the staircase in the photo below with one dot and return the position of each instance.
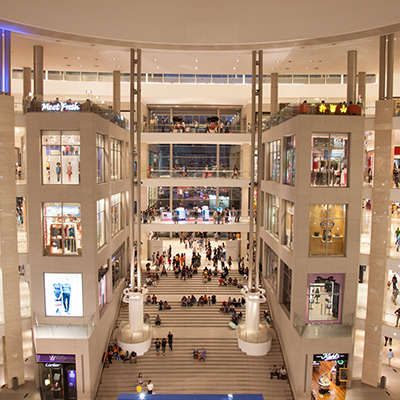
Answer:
(226, 369)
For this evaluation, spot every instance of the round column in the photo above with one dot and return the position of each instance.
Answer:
(135, 301)
(253, 301)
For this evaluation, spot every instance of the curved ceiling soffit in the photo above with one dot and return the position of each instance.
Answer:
(31, 30)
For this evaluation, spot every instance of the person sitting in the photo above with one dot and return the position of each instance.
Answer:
(166, 305)
(267, 316)
(234, 318)
(148, 300)
(183, 301)
(240, 315)
(221, 281)
(243, 301)
(195, 270)
(215, 272)
(120, 354)
(240, 285)
(234, 282)
(164, 271)
(154, 299)
(222, 308)
(202, 354)
(157, 321)
(133, 357)
(274, 371)
(213, 298)
(205, 278)
(195, 354)
(230, 281)
(282, 373)
(125, 357)
(160, 305)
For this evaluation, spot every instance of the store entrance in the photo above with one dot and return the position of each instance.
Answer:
(329, 380)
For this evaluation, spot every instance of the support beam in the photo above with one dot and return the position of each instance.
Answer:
(390, 66)
(27, 82)
(382, 67)
(274, 93)
(38, 72)
(117, 91)
(351, 77)
(362, 88)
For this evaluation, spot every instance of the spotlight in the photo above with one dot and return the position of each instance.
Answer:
(230, 396)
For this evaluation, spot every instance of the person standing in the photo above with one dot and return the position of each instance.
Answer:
(396, 176)
(140, 380)
(163, 346)
(150, 388)
(395, 293)
(170, 340)
(390, 355)
(397, 313)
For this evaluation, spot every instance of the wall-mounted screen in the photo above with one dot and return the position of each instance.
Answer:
(63, 295)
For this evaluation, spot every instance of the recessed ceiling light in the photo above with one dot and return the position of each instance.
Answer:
(158, 66)
(155, 59)
(278, 61)
(307, 68)
(113, 58)
(273, 68)
(197, 60)
(78, 58)
(80, 65)
(237, 60)
(119, 66)
(310, 60)
(195, 67)
(234, 67)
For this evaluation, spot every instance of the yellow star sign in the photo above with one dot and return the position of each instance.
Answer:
(343, 109)
(332, 108)
(322, 108)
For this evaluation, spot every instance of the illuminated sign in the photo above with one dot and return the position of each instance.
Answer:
(343, 109)
(332, 108)
(52, 365)
(325, 224)
(58, 107)
(322, 108)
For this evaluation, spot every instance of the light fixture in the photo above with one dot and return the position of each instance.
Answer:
(97, 97)
(237, 60)
(155, 59)
(195, 67)
(234, 67)
(113, 58)
(81, 65)
(197, 60)
(78, 58)
(158, 66)
(310, 60)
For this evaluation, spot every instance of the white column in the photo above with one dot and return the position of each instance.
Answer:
(351, 76)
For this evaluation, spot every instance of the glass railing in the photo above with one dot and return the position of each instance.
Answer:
(324, 330)
(261, 336)
(75, 106)
(191, 128)
(198, 173)
(126, 336)
(45, 330)
(295, 109)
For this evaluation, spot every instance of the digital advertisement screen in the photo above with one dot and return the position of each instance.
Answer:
(63, 295)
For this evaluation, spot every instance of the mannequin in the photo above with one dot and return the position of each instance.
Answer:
(69, 171)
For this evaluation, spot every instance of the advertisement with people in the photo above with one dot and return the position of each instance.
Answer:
(63, 295)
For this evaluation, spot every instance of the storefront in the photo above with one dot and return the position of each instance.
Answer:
(57, 376)
(330, 375)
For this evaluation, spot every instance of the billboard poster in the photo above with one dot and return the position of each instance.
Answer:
(63, 295)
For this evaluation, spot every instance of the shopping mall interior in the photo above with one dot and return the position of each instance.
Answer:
(212, 135)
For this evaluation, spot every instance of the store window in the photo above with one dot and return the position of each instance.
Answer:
(273, 215)
(101, 154)
(275, 161)
(103, 277)
(20, 213)
(289, 224)
(62, 228)
(116, 211)
(324, 298)
(61, 162)
(369, 153)
(117, 265)
(329, 160)
(290, 167)
(287, 287)
(327, 229)
(116, 159)
(272, 267)
(101, 223)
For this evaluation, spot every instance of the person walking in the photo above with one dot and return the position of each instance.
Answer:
(397, 313)
(157, 345)
(170, 340)
(163, 346)
(395, 293)
(390, 355)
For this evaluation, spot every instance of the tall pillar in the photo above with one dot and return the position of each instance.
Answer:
(38, 72)
(27, 82)
(380, 237)
(351, 76)
(245, 161)
(12, 339)
(362, 88)
(117, 91)
(274, 93)
(245, 203)
(171, 115)
(390, 66)
(5, 62)
(382, 66)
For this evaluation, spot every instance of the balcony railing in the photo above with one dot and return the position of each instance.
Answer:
(192, 128)
(32, 105)
(197, 173)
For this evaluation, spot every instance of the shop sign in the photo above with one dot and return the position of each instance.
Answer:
(57, 358)
(330, 357)
(52, 365)
(61, 107)
(327, 224)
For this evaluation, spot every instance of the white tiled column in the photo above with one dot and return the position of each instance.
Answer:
(12, 339)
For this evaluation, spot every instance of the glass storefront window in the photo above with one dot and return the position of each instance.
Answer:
(116, 160)
(103, 284)
(230, 197)
(62, 228)
(275, 161)
(116, 210)
(272, 225)
(289, 224)
(287, 287)
(229, 155)
(117, 265)
(101, 223)
(327, 229)
(61, 163)
(324, 298)
(159, 160)
(21, 225)
(369, 150)
(366, 224)
(290, 168)
(329, 160)
(190, 197)
(195, 158)
(272, 267)
(100, 152)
